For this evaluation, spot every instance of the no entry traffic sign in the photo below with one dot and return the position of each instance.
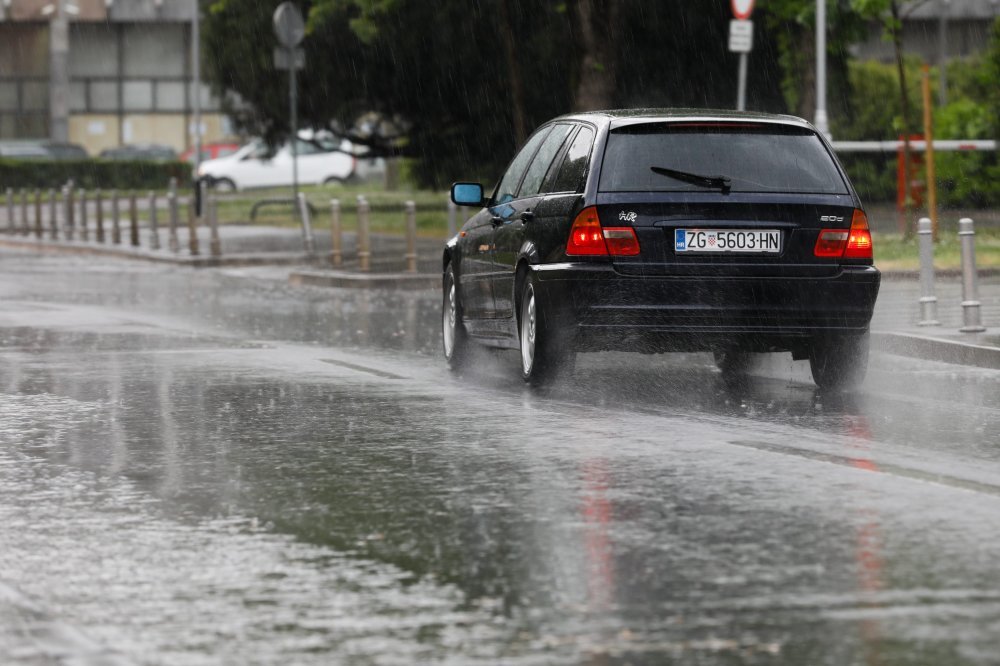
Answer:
(742, 9)
(289, 27)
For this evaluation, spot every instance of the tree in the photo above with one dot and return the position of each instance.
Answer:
(992, 75)
(888, 12)
(793, 24)
(595, 87)
(457, 84)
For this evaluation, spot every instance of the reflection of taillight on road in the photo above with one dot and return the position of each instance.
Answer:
(868, 540)
(597, 518)
(853, 243)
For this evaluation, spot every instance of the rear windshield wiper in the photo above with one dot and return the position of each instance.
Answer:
(721, 182)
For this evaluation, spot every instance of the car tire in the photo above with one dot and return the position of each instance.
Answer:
(333, 180)
(455, 341)
(541, 357)
(840, 362)
(733, 363)
(223, 185)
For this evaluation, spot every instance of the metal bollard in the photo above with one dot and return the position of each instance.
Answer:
(928, 301)
(308, 241)
(133, 219)
(411, 237)
(25, 225)
(154, 230)
(364, 235)
(116, 217)
(99, 216)
(10, 210)
(214, 243)
(39, 223)
(174, 218)
(192, 228)
(69, 231)
(53, 216)
(84, 231)
(452, 216)
(336, 233)
(970, 279)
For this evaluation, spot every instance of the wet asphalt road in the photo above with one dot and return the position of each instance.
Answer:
(215, 468)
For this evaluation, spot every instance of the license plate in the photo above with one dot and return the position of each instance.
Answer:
(747, 241)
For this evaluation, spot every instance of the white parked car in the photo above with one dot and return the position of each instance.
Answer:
(322, 160)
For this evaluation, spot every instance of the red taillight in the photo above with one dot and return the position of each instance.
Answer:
(831, 243)
(621, 241)
(859, 244)
(855, 243)
(588, 238)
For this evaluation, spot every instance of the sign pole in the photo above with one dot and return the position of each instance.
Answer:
(822, 122)
(741, 41)
(741, 90)
(289, 28)
(196, 75)
(293, 97)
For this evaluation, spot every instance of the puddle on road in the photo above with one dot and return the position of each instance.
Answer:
(198, 511)
(214, 515)
(96, 552)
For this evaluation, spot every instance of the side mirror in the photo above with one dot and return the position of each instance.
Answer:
(467, 194)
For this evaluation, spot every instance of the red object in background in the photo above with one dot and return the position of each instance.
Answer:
(211, 151)
(742, 9)
(917, 186)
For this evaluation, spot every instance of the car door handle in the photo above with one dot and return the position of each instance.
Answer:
(527, 216)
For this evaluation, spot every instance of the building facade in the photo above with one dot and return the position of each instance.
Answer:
(102, 73)
(936, 30)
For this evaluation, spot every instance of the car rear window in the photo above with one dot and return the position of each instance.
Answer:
(755, 158)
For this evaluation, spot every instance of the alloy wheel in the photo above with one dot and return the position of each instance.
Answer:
(528, 327)
(449, 319)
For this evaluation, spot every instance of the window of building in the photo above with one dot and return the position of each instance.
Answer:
(154, 50)
(170, 96)
(9, 96)
(137, 95)
(35, 95)
(104, 96)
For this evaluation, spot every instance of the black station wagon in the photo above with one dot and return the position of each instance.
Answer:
(666, 230)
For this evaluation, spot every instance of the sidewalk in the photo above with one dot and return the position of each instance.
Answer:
(239, 245)
(895, 325)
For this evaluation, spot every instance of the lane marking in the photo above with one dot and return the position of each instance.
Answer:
(878, 467)
(361, 368)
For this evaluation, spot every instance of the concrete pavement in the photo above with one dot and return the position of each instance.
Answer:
(896, 329)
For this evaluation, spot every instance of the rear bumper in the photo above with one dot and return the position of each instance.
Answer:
(600, 309)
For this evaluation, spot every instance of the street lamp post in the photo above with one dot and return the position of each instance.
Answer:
(822, 122)
(196, 75)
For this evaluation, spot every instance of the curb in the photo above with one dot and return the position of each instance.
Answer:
(365, 280)
(947, 273)
(937, 349)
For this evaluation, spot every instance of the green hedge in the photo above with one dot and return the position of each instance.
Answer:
(872, 174)
(92, 173)
(965, 179)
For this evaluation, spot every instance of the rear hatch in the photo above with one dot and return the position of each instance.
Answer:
(723, 199)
